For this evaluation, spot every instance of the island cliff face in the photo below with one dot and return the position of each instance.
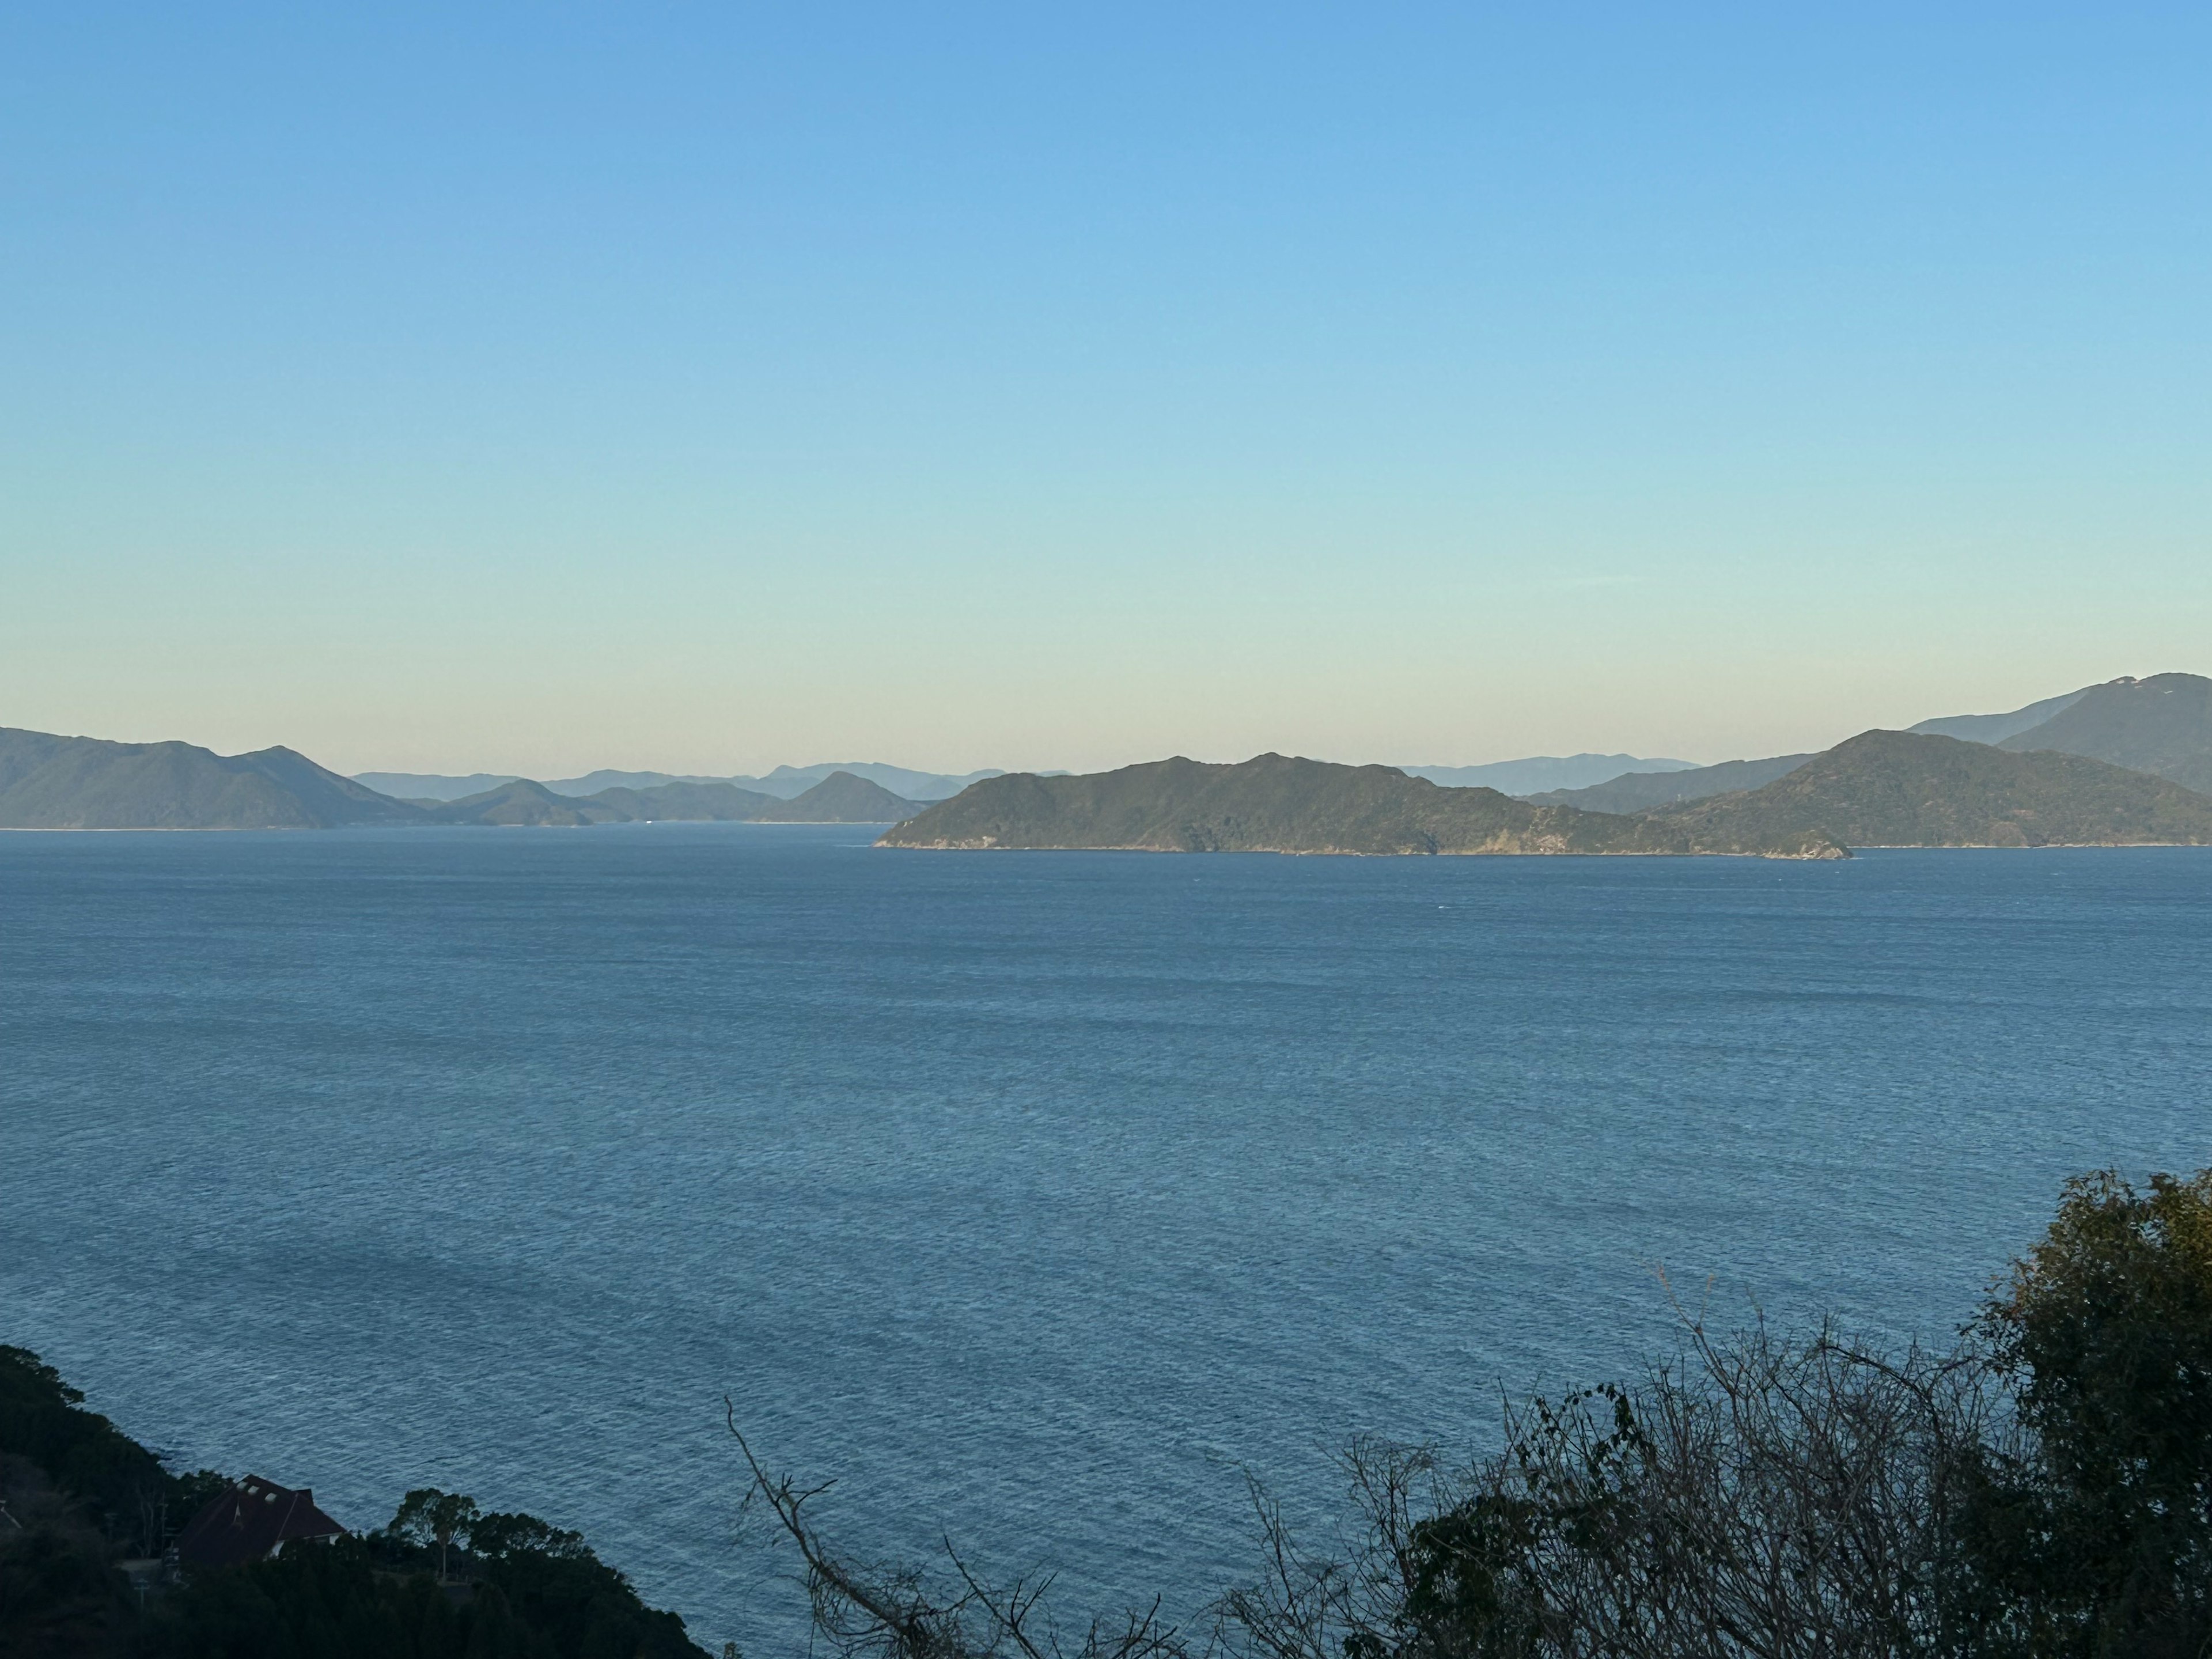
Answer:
(1277, 804)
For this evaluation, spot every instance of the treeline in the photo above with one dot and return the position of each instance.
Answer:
(442, 1581)
(2041, 1489)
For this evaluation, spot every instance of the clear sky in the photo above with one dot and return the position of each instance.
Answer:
(542, 387)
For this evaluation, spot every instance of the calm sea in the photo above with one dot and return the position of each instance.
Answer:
(1032, 1197)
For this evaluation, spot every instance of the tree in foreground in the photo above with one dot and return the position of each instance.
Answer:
(2099, 1539)
(427, 1516)
(2043, 1490)
(868, 1610)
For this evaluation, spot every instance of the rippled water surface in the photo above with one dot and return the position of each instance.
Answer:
(1031, 1195)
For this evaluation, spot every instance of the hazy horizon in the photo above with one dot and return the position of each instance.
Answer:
(702, 391)
(787, 764)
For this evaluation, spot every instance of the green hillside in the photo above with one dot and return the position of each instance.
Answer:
(1274, 803)
(2162, 725)
(1899, 789)
(49, 782)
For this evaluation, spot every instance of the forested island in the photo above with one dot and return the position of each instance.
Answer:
(1879, 789)
(1279, 803)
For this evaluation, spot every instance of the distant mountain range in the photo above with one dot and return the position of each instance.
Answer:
(1590, 782)
(841, 798)
(49, 782)
(1538, 772)
(2127, 762)
(1639, 791)
(784, 783)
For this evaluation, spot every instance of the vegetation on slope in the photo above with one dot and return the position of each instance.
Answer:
(2162, 725)
(1274, 803)
(1896, 789)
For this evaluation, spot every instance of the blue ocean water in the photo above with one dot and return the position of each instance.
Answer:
(1033, 1197)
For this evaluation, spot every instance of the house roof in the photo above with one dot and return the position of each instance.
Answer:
(251, 1522)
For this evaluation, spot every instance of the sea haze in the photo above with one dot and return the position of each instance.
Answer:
(1029, 1196)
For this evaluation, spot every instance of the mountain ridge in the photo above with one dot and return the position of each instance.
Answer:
(839, 798)
(783, 783)
(1995, 728)
(2161, 724)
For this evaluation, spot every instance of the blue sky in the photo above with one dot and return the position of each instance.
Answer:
(707, 386)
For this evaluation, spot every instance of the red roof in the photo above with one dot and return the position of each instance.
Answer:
(251, 1522)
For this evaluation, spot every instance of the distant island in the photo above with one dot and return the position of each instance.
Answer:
(2123, 763)
(1879, 789)
(1277, 804)
(50, 783)
(782, 783)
